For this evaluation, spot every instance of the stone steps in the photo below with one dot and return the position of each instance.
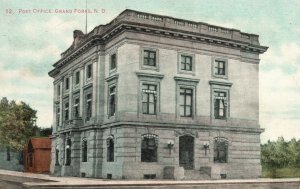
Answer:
(195, 175)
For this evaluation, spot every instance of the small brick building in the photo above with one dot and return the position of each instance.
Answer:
(37, 155)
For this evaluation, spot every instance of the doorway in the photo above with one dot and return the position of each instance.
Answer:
(186, 152)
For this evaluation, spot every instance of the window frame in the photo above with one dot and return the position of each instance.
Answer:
(218, 86)
(225, 61)
(76, 105)
(142, 58)
(111, 69)
(66, 110)
(155, 96)
(84, 150)
(110, 149)
(110, 95)
(226, 143)
(193, 64)
(147, 151)
(185, 106)
(187, 83)
(112, 81)
(88, 112)
(89, 72)
(67, 83)
(57, 113)
(151, 79)
(68, 152)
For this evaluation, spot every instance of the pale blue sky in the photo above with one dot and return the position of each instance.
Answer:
(31, 43)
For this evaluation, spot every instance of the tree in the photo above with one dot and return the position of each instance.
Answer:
(17, 124)
(280, 154)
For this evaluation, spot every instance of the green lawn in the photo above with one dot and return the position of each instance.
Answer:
(287, 172)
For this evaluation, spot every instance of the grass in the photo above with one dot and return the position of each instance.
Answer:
(286, 172)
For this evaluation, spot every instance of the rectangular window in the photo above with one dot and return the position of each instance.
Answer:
(186, 63)
(149, 96)
(68, 152)
(88, 110)
(66, 111)
(186, 102)
(56, 156)
(67, 84)
(57, 114)
(76, 107)
(89, 71)
(149, 58)
(77, 77)
(219, 67)
(113, 61)
(220, 150)
(220, 104)
(58, 90)
(112, 101)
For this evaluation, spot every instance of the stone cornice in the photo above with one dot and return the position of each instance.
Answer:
(143, 74)
(228, 84)
(204, 34)
(177, 78)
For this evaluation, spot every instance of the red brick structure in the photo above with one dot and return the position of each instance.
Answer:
(37, 155)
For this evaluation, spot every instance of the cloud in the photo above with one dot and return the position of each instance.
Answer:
(280, 91)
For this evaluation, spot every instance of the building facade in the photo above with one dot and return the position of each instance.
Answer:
(151, 96)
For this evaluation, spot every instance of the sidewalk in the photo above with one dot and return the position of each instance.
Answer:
(47, 181)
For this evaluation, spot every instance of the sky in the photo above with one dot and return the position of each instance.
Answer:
(32, 38)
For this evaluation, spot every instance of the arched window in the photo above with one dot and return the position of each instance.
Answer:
(149, 148)
(220, 150)
(68, 152)
(110, 148)
(56, 155)
(84, 150)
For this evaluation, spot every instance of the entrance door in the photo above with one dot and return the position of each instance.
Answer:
(186, 152)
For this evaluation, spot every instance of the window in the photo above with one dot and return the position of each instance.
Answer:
(68, 152)
(84, 150)
(149, 95)
(77, 77)
(149, 58)
(66, 111)
(67, 83)
(220, 150)
(89, 71)
(112, 101)
(186, 63)
(186, 102)
(220, 104)
(58, 90)
(57, 114)
(8, 153)
(219, 68)
(76, 107)
(113, 61)
(110, 148)
(88, 113)
(149, 148)
(56, 155)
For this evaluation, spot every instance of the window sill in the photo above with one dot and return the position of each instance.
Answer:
(220, 76)
(112, 71)
(192, 72)
(146, 67)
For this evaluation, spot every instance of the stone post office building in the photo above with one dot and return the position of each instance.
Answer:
(151, 96)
